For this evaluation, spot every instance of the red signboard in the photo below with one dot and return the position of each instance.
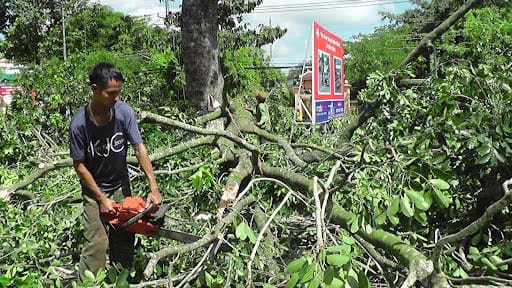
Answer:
(328, 75)
(6, 94)
(8, 90)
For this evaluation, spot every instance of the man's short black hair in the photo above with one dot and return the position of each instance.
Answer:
(103, 72)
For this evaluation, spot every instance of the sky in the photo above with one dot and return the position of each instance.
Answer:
(345, 18)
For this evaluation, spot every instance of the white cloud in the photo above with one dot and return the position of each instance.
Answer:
(132, 7)
(152, 10)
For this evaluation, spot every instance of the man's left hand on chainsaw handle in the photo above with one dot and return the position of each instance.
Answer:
(154, 197)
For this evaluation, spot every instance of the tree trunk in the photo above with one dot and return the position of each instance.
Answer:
(201, 52)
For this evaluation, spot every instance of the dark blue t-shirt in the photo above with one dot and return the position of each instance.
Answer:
(103, 148)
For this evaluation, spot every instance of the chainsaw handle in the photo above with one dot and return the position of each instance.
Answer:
(137, 217)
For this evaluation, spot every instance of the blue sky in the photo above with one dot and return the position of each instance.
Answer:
(345, 18)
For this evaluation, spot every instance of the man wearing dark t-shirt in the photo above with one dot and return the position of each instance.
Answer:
(99, 137)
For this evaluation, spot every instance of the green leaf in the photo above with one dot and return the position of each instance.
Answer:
(417, 198)
(328, 275)
(251, 235)
(421, 217)
(441, 199)
(122, 279)
(315, 282)
(348, 240)
(406, 207)
(381, 219)
(208, 279)
(354, 225)
(476, 239)
(439, 184)
(338, 259)
(268, 286)
(459, 272)
(484, 159)
(499, 156)
(308, 275)
(486, 262)
(394, 207)
(342, 249)
(363, 280)
(241, 231)
(295, 265)
(336, 283)
(89, 276)
(484, 149)
(394, 220)
(293, 281)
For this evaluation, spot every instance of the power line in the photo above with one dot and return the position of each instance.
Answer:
(309, 4)
(323, 7)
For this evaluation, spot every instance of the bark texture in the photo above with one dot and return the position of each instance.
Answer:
(201, 52)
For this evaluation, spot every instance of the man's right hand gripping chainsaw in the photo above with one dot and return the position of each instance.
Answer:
(133, 216)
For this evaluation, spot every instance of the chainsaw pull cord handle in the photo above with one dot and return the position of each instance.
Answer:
(137, 217)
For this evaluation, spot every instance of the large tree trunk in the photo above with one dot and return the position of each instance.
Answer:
(201, 52)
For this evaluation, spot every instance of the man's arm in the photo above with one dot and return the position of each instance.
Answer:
(104, 202)
(141, 153)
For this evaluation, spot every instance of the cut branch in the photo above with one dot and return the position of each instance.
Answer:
(155, 257)
(5, 193)
(426, 42)
(419, 266)
(475, 226)
(202, 120)
(173, 123)
(243, 169)
(290, 153)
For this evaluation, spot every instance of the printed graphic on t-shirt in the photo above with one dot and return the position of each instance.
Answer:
(103, 147)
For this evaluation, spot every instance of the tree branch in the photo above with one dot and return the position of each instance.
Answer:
(202, 120)
(426, 42)
(155, 257)
(475, 226)
(173, 123)
(242, 170)
(5, 193)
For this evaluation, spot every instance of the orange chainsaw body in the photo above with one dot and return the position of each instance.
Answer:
(130, 207)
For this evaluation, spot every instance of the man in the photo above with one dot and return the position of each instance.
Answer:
(261, 113)
(99, 136)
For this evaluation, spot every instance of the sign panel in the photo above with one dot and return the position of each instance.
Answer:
(328, 75)
(7, 93)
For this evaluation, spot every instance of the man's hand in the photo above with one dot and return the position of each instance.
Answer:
(106, 205)
(259, 124)
(154, 197)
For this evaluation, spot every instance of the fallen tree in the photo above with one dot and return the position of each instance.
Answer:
(247, 159)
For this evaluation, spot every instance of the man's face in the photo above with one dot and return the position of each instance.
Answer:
(109, 94)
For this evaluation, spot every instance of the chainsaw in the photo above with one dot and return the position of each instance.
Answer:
(132, 215)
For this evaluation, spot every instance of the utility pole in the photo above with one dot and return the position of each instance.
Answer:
(63, 29)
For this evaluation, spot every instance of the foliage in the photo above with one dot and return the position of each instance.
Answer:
(413, 169)
(240, 77)
(25, 25)
(430, 148)
(383, 51)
